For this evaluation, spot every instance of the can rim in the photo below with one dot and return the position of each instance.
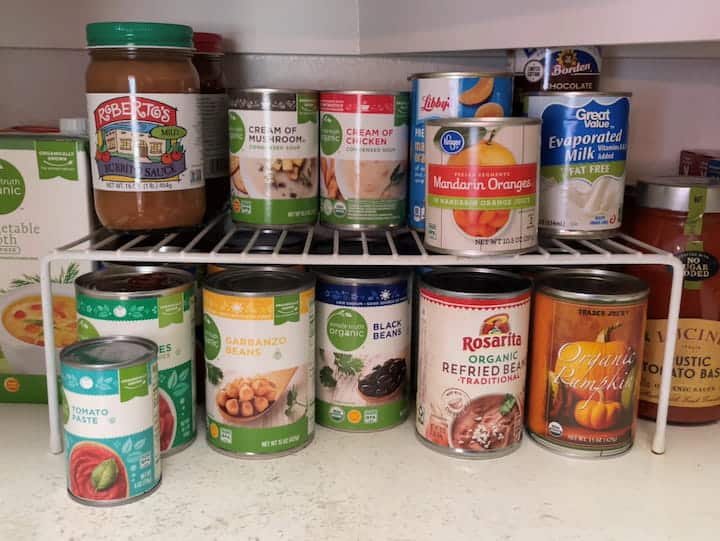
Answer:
(149, 355)
(510, 293)
(264, 90)
(392, 275)
(557, 291)
(479, 122)
(458, 74)
(84, 283)
(214, 283)
(588, 93)
(367, 92)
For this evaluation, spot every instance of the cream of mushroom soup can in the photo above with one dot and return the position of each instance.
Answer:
(481, 186)
(473, 339)
(259, 358)
(363, 348)
(274, 156)
(584, 148)
(111, 419)
(156, 303)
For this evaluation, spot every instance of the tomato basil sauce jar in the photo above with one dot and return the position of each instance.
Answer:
(682, 215)
(145, 126)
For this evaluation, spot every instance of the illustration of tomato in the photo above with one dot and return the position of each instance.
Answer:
(176, 156)
(106, 156)
(166, 158)
(98, 154)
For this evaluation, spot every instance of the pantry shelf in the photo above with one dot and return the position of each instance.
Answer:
(221, 242)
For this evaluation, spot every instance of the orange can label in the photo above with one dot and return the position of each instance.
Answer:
(584, 373)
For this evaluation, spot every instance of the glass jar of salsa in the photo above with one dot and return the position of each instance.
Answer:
(682, 215)
(208, 60)
(144, 124)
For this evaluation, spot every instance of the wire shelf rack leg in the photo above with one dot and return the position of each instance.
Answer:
(56, 444)
(678, 270)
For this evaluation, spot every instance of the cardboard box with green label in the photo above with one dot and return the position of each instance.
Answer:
(45, 201)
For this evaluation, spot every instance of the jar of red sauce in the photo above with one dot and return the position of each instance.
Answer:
(208, 60)
(144, 126)
(682, 215)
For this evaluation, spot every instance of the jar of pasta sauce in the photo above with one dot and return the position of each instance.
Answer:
(208, 60)
(682, 215)
(145, 126)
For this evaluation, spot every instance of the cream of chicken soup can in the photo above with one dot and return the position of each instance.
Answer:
(481, 185)
(582, 165)
(363, 158)
(156, 303)
(472, 359)
(363, 348)
(259, 353)
(110, 417)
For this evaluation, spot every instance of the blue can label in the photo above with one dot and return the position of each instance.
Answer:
(583, 152)
(112, 436)
(449, 97)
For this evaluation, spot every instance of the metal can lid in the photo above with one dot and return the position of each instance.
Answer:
(459, 74)
(673, 193)
(133, 282)
(588, 94)
(592, 285)
(367, 92)
(259, 283)
(353, 276)
(263, 90)
(475, 283)
(109, 352)
(481, 122)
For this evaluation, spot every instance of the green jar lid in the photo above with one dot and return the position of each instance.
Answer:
(134, 34)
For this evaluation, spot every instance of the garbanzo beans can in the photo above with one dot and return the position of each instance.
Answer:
(110, 414)
(473, 328)
(259, 358)
(481, 185)
(588, 337)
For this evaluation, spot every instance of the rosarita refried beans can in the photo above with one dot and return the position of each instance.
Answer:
(110, 417)
(481, 186)
(449, 95)
(472, 358)
(587, 350)
(259, 359)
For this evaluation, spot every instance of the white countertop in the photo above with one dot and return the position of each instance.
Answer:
(383, 486)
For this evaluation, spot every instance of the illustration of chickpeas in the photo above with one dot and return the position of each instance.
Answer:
(261, 403)
(232, 406)
(271, 395)
(232, 390)
(245, 393)
(221, 399)
(246, 409)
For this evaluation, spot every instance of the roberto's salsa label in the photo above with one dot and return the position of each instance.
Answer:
(696, 370)
(111, 431)
(145, 142)
(169, 321)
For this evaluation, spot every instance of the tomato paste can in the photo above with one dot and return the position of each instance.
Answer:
(481, 185)
(273, 156)
(363, 348)
(363, 158)
(472, 360)
(587, 348)
(259, 359)
(157, 303)
(584, 147)
(111, 419)
(449, 95)
(555, 69)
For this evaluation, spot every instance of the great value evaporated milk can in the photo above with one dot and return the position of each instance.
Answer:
(157, 303)
(110, 415)
(274, 156)
(587, 350)
(481, 185)
(363, 348)
(259, 358)
(363, 158)
(449, 95)
(472, 361)
(582, 163)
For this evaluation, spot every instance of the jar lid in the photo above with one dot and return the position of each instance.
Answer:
(138, 34)
(207, 42)
(673, 193)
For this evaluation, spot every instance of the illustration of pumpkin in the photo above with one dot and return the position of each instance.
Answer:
(597, 414)
(587, 367)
